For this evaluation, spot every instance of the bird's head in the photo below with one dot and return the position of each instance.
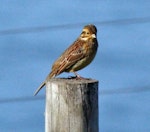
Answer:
(89, 31)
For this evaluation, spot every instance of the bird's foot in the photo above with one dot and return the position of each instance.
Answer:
(78, 77)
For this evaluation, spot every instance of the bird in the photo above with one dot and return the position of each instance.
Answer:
(76, 56)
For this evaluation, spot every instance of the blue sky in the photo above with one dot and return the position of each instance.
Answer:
(122, 62)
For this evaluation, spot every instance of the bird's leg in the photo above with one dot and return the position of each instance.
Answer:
(78, 76)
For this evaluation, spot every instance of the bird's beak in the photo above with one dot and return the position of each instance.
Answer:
(93, 36)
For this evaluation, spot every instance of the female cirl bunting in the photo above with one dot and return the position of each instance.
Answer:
(77, 56)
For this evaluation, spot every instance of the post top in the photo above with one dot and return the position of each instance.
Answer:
(72, 80)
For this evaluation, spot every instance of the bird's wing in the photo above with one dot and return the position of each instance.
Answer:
(70, 57)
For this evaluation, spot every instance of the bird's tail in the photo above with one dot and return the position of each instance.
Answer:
(39, 88)
(51, 75)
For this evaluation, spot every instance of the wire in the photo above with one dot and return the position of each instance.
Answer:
(102, 92)
(126, 90)
(21, 99)
(69, 26)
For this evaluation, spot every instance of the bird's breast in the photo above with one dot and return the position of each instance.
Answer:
(89, 51)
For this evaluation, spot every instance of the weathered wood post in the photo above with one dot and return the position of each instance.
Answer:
(71, 105)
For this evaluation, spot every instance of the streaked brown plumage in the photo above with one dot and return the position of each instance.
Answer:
(77, 56)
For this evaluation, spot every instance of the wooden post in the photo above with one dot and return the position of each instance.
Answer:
(71, 105)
